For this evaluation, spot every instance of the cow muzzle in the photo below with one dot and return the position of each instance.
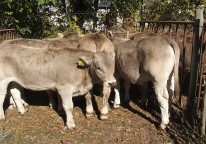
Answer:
(110, 83)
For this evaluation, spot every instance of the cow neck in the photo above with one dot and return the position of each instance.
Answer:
(86, 76)
(93, 76)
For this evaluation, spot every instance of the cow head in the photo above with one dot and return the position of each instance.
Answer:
(101, 66)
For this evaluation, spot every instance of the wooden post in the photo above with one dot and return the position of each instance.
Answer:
(195, 64)
(203, 111)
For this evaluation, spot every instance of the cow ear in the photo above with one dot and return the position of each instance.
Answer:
(113, 55)
(84, 61)
(110, 35)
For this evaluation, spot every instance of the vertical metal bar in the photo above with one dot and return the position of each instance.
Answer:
(143, 30)
(170, 29)
(202, 57)
(183, 64)
(176, 32)
(203, 111)
(163, 29)
(3, 35)
(194, 65)
(12, 35)
(157, 28)
(153, 24)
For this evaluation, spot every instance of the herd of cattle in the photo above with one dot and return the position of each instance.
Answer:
(72, 66)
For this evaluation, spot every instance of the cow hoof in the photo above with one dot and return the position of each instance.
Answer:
(104, 117)
(115, 106)
(65, 128)
(25, 104)
(88, 115)
(162, 126)
(51, 106)
(2, 117)
(11, 107)
(71, 125)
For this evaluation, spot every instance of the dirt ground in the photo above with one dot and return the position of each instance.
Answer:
(130, 124)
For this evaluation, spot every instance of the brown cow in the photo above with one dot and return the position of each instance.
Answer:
(96, 42)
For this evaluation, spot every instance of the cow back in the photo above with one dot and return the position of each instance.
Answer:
(95, 42)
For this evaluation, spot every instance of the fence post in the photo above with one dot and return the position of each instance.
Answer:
(203, 111)
(195, 64)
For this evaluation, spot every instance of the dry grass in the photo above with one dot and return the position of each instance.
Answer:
(130, 124)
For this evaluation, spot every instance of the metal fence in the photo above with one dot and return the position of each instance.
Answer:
(7, 34)
(182, 32)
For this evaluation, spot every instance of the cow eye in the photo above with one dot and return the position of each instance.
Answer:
(98, 67)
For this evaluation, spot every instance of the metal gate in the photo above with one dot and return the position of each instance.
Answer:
(7, 34)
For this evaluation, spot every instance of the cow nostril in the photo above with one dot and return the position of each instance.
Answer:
(112, 84)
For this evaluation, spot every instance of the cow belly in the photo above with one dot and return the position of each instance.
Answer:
(82, 89)
(39, 87)
(143, 79)
(131, 74)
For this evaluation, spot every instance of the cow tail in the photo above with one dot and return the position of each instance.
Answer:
(176, 72)
(176, 49)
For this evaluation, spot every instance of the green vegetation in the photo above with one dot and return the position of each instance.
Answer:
(32, 18)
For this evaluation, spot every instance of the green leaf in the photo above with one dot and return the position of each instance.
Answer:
(192, 13)
(40, 2)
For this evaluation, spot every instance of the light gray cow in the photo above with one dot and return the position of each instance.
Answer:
(94, 42)
(71, 72)
(41, 43)
(153, 59)
(16, 90)
(144, 87)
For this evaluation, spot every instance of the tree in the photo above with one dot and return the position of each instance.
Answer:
(176, 10)
(128, 9)
(30, 18)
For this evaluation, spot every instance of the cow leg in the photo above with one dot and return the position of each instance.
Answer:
(12, 104)
(66, 96)
(23, 98)
(127, 88)
(51, 99)
(117, 94)
(144, 94)
(2, 98)
(19, 95)
(60, 105)
(89, 106)
(163, 99)
(17, 99)
(3, 91)
(104, 111)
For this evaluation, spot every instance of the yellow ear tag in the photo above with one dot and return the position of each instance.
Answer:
(81, 63)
